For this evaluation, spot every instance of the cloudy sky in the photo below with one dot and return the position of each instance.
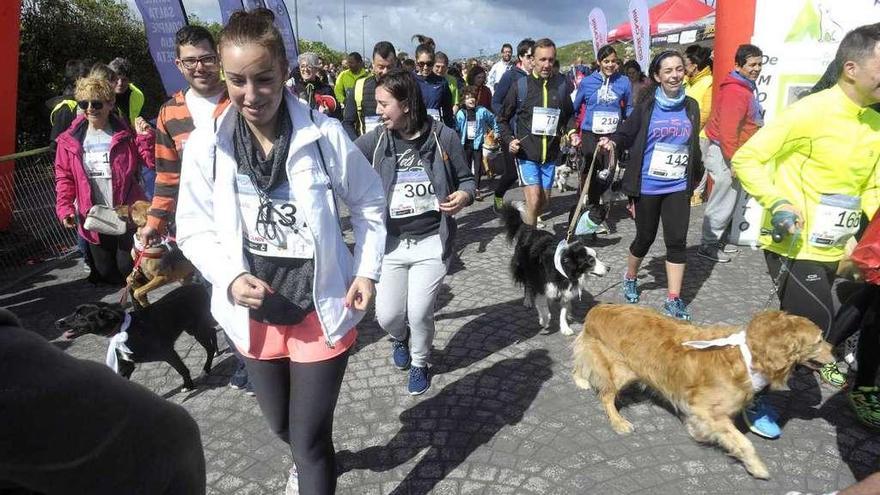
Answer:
(460, 27)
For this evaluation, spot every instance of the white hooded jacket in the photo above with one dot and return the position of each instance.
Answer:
(209, 224)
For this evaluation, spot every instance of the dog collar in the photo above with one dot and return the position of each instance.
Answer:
(117, 343)
(557, 257)
(759, 381)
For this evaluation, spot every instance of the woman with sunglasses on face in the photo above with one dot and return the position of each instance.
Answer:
(427, 181)
(257, 216)
(434, 89)
(607, 96)
(96, 163)
(662, 135)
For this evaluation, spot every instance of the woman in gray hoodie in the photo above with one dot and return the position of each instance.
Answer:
(427, 181)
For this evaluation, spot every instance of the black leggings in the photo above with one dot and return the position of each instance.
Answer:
(860, 313)
(297, 400)
(675, 210)
(509, 176)
(806, 289)
(111, 259)
(597, 186)
(475, 159)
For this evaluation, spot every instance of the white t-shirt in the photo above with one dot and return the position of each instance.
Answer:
(201, 108)
(96, 162)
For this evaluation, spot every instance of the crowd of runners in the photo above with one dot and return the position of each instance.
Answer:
(245, 172)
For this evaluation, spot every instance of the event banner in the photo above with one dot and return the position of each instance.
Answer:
(599, 29)
(227, 7)
(799, 39)
(282, 22)
(641, 31)
(162, 19)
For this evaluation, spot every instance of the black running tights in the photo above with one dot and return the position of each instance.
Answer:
(298, 400)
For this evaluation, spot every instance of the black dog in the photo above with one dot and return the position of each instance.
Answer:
(545, 274)
(152, 330)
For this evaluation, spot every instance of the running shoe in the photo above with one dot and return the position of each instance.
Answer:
(728, 248)
(676, 308)
(832, 375)
(239, 379)
(713, 252)
(761, 418)
(292, 482)
(865, 402)
(400, 354)
(498, 204)
(419, 381)
(630, 291)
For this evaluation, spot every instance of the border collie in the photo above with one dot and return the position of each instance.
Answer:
(547, 269)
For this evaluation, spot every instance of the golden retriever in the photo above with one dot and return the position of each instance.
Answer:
(621, 344)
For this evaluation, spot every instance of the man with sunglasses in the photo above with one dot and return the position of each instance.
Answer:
(435, 89)
(523, 68)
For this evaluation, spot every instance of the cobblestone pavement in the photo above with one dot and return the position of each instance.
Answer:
(502, 415)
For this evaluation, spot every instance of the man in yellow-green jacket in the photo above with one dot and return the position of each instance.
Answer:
(814, 169)
(347, 78)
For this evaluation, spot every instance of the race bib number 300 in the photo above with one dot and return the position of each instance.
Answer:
(605, 122)
(545, 121)
(836, 219)
(668, 161)
(413, 194)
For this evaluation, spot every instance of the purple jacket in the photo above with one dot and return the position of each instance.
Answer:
(127, 151)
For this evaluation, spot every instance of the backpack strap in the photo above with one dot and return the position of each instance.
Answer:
(359, 102)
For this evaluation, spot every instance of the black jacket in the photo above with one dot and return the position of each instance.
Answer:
(352, 121)
(308, 90)
(633, 135)
(540, 149)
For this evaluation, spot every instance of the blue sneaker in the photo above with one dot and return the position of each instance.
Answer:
(419, 382)
(761, 418)
(400, 354)
(675, 308)
(630, 291)
(239, 379)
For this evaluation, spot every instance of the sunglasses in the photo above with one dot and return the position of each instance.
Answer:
(192, 63)
(425, 64)
(96, 105)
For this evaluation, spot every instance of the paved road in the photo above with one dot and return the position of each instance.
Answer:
(503, 415)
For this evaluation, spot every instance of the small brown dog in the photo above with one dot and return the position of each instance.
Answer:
(159, 265)
(621, 344)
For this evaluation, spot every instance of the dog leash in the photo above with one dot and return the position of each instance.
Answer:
(585, 190)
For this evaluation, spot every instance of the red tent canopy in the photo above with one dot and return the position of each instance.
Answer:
(666, 16)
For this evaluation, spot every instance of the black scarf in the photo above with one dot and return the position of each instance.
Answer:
(265, 173)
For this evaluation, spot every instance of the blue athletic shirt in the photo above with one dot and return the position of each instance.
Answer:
(671, 129)
(603, 94)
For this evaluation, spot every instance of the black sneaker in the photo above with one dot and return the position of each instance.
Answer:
(712, 252)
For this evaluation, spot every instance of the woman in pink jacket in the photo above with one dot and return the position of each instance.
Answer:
(96, 162)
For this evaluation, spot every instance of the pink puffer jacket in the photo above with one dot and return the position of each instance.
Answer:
(127, 151)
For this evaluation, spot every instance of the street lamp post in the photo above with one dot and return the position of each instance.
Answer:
(363, 36)
(345, 27)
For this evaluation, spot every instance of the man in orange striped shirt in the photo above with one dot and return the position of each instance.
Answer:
(199, 105)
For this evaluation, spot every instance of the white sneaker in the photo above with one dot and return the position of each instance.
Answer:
(292, 482)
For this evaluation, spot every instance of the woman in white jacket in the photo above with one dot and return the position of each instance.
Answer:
(257, 216)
